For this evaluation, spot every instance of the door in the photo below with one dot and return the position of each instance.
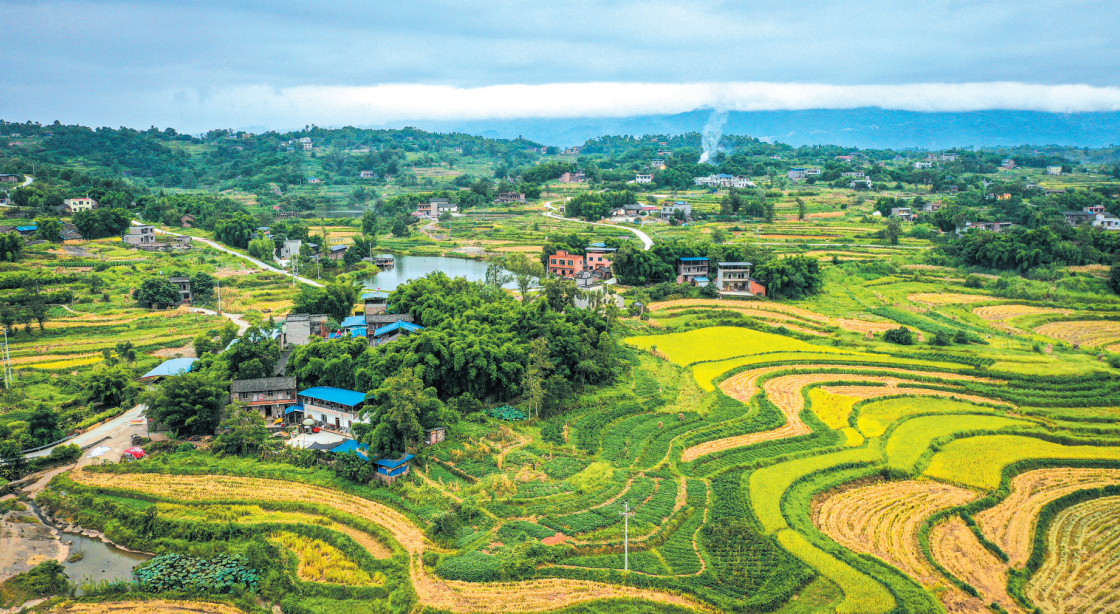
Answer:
(337, 423)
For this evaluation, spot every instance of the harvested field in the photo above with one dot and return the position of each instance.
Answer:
(1087, 333)
(779, 237)
(863, 326)
(1010, 525)
(995, 313)
(785, 392)
(527, 596)
(955, 547)
(1100, 270)
(763, 305)
(883, 520)
(824, 214)
(1080, 571)
(937, 298)
(156, 606)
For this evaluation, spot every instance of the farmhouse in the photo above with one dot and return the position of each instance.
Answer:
(167, 368)
(337, 407)
(903, 213)
(668, 209)
(920, 165)
(388, 470)
(723, 181)
(861, 183)
(269, 395)
(354, 325)
(1053, 170)
(692, 270)
(337, 252)
(184, 285)
(796, 174)
(7, 178)
(434, 207)
(576, 177)
(391, 332)
(74, 205)
(366, 175)
(375, 302)
(735, 277)
(643, 178)
(510, 197)
(140, 235)
(300, 327)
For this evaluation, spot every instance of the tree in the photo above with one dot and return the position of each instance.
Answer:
(792, 277)
(202, 286)
(12, 461)
(110, 385)
(235, 231)
(403, 408)
(245, 432)
(801, 209)
(901, 336)
(50, 229)
(262, 248)
(11, 247)
(189, 403)
(894, 228)
(254, 355)
(158, 291)
(526, 273)
(335, 299)
(1113, 278)
(719, 235)
(205, 344)
(400, 228)
(126, 351)
(532, 382)
(38, 310)
(101, 223)
(43, 424)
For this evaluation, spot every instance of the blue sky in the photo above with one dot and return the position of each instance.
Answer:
(202, 64)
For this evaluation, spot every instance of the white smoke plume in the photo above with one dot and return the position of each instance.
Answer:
(713, 132)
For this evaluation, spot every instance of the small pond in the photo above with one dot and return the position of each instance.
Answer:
(413, 267)
(100, 560)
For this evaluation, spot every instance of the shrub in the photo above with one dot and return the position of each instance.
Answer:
(974, 281)
(900, 335)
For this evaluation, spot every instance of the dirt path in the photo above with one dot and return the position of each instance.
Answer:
(236, 318)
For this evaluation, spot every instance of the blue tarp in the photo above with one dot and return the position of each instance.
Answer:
(335, 395)
(354, 321)
(175, 366)
(352, 446)
(358, 331)
(693, 259)
(293, 409)
(391, 463)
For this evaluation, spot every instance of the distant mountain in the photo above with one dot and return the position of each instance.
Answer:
(867, 128)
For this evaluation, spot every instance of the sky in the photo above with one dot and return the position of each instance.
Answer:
(279, 64)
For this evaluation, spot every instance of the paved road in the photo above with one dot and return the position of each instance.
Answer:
(646, 241)
(112, 428)
(229, 251)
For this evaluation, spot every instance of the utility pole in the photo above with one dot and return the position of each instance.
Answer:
(219, 283)
(626, 514)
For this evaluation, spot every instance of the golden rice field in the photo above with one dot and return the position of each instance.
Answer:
(524, 596)
(1087, 333)
(979, 461)
(722, 342)
(322, 562)
(154, 606)
(956, 548)
(994, 313)
(1081, 570)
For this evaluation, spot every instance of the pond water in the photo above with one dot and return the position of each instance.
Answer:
(413, 267)
(100, 560)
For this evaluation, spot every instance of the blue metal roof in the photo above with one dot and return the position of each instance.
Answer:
(354, 321)
(692, 258)
(27, 228)
(336, 248)
(600, 244)
(385, 462)
(175, 366)
(293, 409)
(702, 279)
(341, 396)
(352, 446)
(398, 325)
(358, 331)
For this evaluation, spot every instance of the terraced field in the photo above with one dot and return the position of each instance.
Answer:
(1088, 333)
(1081, 571)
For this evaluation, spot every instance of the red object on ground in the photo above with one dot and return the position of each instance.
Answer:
(555, 539)
(315, 429)
(135, 452)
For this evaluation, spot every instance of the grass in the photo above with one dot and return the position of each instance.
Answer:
(979, 461)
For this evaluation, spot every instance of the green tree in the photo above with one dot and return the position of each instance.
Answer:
(719, 235)
(39, 310)
(262, 248)
(402, 409)
(189, 403)
(894, 229)
(50, 229)
(202, 286)
(801, 209)
(254, 355)
(1113, 277)
(205, 344)
(532, 382)
(101, 223)
(12, 461)
(110, 385)
(158, 291)
(126, 351)
(526, 273)
(901, 336)
(793, 277)
(245, 432)
(335, 299)
(11, 247)
(43, 425)
(400, 228)
(235, 231)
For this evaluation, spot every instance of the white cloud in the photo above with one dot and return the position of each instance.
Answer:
(327, 105)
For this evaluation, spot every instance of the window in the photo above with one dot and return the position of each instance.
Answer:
(553, 261)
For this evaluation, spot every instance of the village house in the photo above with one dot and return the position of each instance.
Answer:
(510, 197)
(269, 395)
(184, 285)
(300, 327)
(903, 213)
(992, 226)
(723, 181)
(736, 277)
(920, 165)
(949, 157)
(336, 407)
(844, 158)
(812, 172)
(1007, 163)
(27, 231)
(435, 435)
(563, 264)
(693, 270)
(140, 235)
(290, 248)
(337, 252)
(669, 209)
(375, 302)
(863, 183)
(7, 178)
(796, 174)
(74, 205)
(576, 177)
(354, 326)
(388, 470)
(378, 321)
(658, 163)
(1053, 170)
(70, 234)
(314, 180)
(1106, 221)
(367, 175)
(643, 178)
(168, 368)
(855, 174)
(434, 207)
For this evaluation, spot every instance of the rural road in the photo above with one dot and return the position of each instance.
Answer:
(229, 251)
(242, 325)
(646, 241)
(112, 428)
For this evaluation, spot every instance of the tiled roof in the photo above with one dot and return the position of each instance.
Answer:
(262, 384)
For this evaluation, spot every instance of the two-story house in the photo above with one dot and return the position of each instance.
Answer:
(74, 205)
(736, 277)
(563, 264)
(693, 270)
(337, 407)
(140, 235)
(269, 395)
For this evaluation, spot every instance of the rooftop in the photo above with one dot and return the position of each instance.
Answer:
(398, 325)
(262, 384)
(352, 446)
(391, 464)
(729, 264)
(167, 368)
(354, 321)
(693, 259)
(341, 396)
(367, 296)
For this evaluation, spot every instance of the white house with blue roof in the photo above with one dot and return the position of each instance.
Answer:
(337, 407)
(693, 270)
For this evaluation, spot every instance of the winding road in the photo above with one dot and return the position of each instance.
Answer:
(254, 261)
(647, 242)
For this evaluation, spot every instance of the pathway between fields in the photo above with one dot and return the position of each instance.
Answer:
(647, 242)
(231, 252)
